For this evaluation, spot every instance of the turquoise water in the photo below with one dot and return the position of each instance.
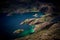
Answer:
(12, 23)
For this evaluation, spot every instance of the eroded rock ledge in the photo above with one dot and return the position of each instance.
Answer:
(52, 33)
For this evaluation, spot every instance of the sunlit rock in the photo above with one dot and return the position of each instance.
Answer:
(18, 31)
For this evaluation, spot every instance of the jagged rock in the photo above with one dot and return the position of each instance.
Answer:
(52, 33)
(48, 34)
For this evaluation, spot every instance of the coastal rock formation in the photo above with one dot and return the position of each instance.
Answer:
(51, 33)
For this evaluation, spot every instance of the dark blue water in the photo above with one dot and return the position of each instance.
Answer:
(12, 23)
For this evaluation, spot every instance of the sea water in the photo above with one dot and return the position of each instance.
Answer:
(12, 22)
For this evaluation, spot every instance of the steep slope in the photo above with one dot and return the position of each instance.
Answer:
(52, 33)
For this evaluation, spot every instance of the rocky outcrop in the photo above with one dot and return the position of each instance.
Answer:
(52, 33)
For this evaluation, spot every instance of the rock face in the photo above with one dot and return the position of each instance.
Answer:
(51, 33)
